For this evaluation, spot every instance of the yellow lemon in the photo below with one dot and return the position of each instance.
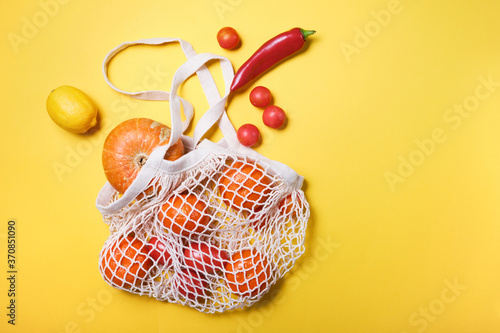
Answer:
(72, 109)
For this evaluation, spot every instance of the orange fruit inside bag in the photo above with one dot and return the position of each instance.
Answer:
(244, 186)
(126, 262)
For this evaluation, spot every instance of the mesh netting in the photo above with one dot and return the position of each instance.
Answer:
(215, 237)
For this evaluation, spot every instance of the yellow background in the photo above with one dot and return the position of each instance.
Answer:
(404, 234)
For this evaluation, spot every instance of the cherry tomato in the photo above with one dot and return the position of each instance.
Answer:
(204, 258)
(248, 135)
(228, 38)
(191, 284)
(158, 251)
(247, 273)
(273, 116)
(260, 97)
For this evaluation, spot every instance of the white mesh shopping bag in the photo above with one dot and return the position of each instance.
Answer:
(213, 228)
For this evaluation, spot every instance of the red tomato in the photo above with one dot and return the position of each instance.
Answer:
(247, 273)
(248, 135)
(204, 258)
(191, 285)
(228, 38)
(273, 116)
(260, 97)
(158, 251)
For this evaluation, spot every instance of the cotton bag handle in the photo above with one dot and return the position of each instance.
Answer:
(151, 95)
(216, 114)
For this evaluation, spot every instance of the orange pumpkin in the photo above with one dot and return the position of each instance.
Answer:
(129, 145)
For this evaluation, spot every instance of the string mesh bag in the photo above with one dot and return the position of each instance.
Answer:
(214, 229)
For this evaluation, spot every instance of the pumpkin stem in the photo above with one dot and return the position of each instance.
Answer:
(140, 159)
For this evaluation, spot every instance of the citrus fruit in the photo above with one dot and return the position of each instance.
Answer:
(72, 109)
(184, 214)
(286, 206)
(129, 145)
(247, 273)
(126, 262)
(244, 185)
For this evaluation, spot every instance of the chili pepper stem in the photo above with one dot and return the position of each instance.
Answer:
(306, 33)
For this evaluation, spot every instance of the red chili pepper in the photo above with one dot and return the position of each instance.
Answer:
(272, 52)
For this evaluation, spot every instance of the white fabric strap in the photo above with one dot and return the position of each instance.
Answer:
(217, 104)
(151, 95)
(216, 114)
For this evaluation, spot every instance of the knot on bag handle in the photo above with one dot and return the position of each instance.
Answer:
(216, 114)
